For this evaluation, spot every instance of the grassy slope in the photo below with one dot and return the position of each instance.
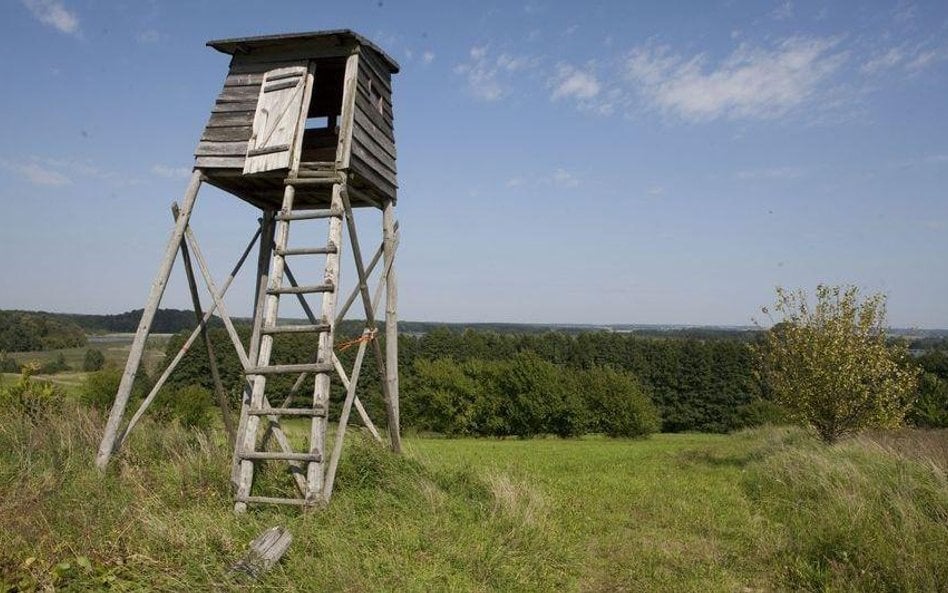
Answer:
(673, 513)
(633, 513)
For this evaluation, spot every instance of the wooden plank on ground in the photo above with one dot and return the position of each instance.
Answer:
(265, 551)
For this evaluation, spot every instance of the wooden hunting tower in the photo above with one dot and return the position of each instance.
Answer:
(302, 129)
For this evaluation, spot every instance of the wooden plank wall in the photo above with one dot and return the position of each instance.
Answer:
(373, 130)
(224, 141)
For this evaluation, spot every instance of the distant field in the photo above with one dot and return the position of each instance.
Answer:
(115, 347)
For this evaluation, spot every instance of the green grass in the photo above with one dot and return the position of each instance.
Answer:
(764, 510)
(115, 347)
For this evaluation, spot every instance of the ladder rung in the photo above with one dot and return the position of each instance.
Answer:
(328, 180)
(275, 500)
(296, 329)
(288, 412)
(278, 369)
(305, 289)
(281, 456)
(308, 214)
(307, 250)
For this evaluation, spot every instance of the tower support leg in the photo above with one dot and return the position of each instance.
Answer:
(144, 326)
(391, 323)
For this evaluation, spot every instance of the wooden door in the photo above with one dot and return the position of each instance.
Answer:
(276, 121)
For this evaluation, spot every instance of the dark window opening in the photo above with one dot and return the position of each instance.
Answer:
(321, 133)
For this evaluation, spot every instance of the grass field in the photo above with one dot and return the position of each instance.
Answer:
(765, 510)
(115, 347)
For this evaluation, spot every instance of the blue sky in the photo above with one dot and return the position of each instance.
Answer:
(558, 162)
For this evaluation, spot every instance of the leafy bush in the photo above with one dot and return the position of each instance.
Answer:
(57, 365)
(94, 360)
(99, 388)
(930, 409)
(190, 406)
(617, 403)
(8, 364)
(30, 397)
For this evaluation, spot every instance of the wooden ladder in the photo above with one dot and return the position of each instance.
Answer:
(308, 467)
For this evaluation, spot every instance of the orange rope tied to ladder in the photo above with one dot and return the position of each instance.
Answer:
(366, 337)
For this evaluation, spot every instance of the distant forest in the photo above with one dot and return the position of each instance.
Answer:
(41, 330)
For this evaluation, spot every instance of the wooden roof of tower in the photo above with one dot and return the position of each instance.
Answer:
(341, 37)
(223, 149)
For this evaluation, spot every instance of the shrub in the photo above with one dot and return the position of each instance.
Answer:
(830, 365)
(524, 396)
(34, 398)
(57, 365)
(8, 364)
(440, 397)
(94, 360)
(617, 402)
(931, 406)
(99, 388)
(190, 406)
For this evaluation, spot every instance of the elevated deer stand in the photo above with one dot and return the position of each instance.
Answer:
(303, 130)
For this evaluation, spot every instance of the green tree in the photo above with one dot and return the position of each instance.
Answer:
(93, 361)
(829, 364)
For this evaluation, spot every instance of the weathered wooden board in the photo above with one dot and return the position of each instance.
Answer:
(265, 551)
(219, 162)
(229, 107)
(370, 159)
(238, 94)
(243, 79)
(375, 139)
(227, 134)
(221, 149)
(384, 186)
(365, 108)
(230, 118)
(276, 119)
(376, 70)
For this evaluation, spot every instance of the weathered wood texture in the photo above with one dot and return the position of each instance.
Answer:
(265, 551)
(276, 122)
(373, 131)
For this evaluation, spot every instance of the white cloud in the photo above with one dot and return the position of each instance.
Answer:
(570, 82)
(783, 11)
(36, 173)
(913, 59)
(489, 78)
(171, 172)
(428, 57)
(884, 61)
(54, 14)
(750, 83)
